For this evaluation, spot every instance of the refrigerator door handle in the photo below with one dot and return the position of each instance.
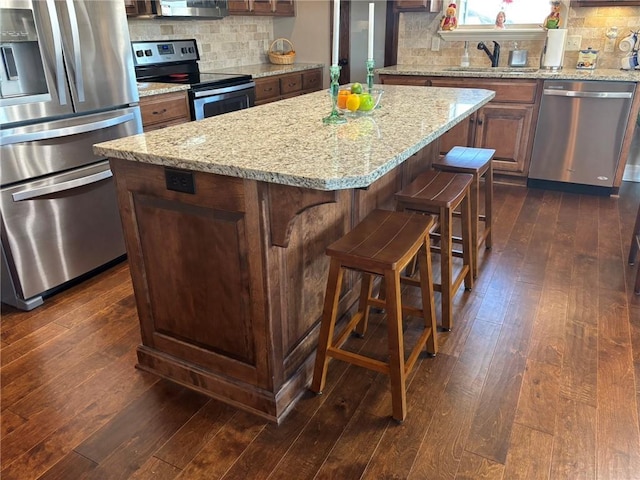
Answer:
(579, 94)
(57, 48)
(61, 187)
(77, 55)
(65, 131)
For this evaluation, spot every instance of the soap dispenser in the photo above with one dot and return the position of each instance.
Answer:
(464, 61)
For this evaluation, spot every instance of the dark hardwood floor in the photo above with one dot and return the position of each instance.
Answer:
(539, 378)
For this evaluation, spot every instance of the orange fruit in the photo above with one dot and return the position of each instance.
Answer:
(353, 102)
(342, 98)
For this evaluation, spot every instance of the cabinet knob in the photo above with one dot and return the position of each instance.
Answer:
(156, 112)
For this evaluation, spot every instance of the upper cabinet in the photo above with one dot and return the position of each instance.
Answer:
(139, 7)
(281, 8)
(605, 3)
(417, 5)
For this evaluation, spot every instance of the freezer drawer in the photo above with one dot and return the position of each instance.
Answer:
(56, 229)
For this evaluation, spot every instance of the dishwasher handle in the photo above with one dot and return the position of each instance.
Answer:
(579, 94)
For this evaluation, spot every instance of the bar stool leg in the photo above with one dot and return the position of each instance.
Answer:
(363, 306)
(446, 267)
(428, 300)
(468, 249)
(329, 313)
(475, 201)
(488, 202)
(396, 346)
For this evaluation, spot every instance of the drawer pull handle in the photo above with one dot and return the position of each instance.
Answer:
(268, 89)
(164, 110)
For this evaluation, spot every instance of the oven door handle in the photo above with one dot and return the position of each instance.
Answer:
(65, 131)
(61, 187)
(218, 91)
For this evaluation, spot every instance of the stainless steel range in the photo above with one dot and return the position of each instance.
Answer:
(176, 61)
(66, 83)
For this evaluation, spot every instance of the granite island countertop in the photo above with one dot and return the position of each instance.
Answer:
(286, 142)
(513, 72)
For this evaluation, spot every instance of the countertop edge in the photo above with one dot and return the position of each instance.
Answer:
(513, 73)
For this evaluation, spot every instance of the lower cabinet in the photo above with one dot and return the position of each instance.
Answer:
(164, 109)
(506, 124)
(278, 87)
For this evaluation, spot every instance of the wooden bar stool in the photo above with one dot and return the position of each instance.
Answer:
(382, 244)
(477, 162)
(634, 249)
(441, 193)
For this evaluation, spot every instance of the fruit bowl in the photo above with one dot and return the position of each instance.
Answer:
(356, 102)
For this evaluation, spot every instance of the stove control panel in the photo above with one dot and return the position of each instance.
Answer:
(154, 53)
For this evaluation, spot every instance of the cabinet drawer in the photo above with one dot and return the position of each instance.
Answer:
(405, 80)
(511, 91)
(291, 83)
(267, 88)
(312, 80)
(164, 108)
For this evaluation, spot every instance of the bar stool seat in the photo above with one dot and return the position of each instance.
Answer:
(382, 244)
(441, 193)
(477, 162)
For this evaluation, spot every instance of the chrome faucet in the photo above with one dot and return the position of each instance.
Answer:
(495, 56)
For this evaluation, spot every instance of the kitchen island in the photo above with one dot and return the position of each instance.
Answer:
(226, 221)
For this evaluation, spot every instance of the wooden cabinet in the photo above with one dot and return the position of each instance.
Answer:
(138, 7)
(507, 123)
(279, 8)
(417, 5)
(278, 87)
(163, 110)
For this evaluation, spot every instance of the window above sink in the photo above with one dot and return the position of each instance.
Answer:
(477, 19)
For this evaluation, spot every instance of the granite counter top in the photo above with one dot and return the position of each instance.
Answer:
(268, 69)
(146, 89)
(290, 145)
(501, 72)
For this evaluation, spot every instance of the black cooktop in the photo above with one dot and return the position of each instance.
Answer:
(175, 61)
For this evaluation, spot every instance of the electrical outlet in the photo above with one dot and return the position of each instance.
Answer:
(435, 43)
(573, 43)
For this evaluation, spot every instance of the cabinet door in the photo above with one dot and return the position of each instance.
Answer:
(507, 128)
(138, 7)
(239, 7)
(312, 80)
(461, 135)
(418, 5)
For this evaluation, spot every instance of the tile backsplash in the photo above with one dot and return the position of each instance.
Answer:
(417, 29)
(229, 42)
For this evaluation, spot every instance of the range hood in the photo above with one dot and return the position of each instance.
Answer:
(193, 8)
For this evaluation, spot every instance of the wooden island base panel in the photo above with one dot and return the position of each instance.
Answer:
(229, 271)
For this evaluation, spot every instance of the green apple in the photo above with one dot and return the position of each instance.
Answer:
(356, 88)
(367, 102)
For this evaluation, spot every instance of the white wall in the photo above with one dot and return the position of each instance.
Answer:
(359, 36)
(309, 31)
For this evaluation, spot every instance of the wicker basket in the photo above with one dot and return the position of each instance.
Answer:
(279, 58)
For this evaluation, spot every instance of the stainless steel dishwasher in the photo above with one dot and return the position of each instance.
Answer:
(579, 134)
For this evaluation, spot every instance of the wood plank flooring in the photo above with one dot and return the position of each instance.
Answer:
(540, 379)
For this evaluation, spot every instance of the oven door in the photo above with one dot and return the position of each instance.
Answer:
(211, 102)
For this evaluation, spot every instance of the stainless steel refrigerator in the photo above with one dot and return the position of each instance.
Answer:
(67, 82)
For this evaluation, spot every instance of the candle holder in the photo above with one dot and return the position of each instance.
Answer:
(370, 65)
(334, 118)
